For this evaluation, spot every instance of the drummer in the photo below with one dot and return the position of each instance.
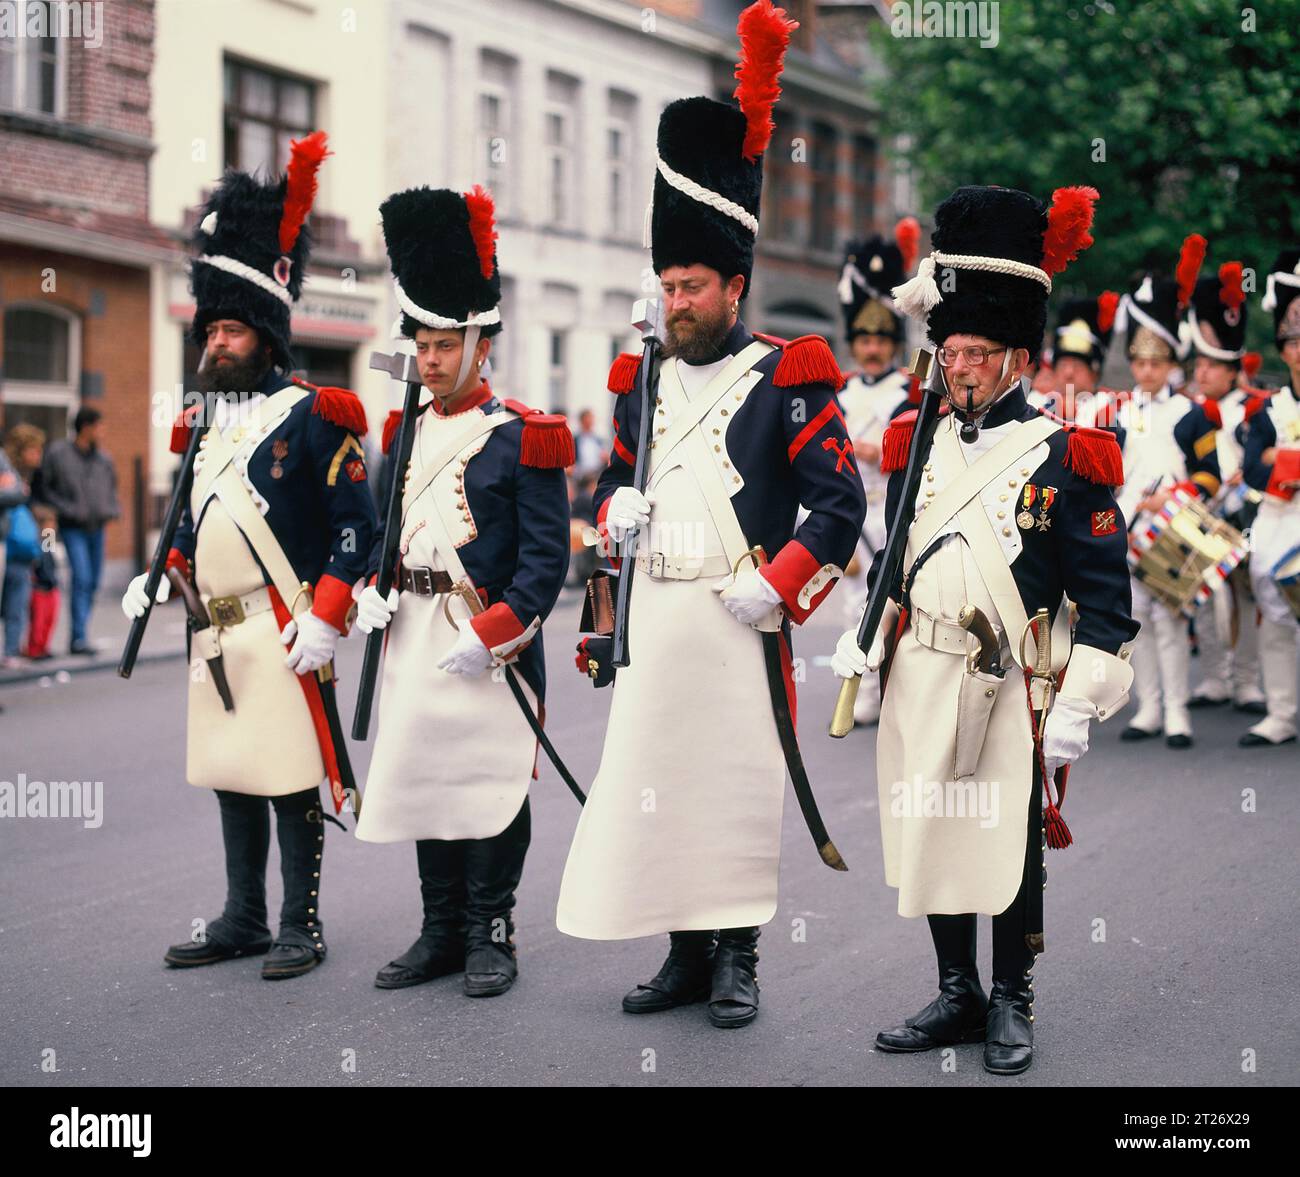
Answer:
(1271, 464)
(1169, 441)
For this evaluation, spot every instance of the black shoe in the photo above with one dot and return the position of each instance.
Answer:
(685, 977)
(425, 960)
(1133, 733)
(1253, 707)
(189, 955)
(733, 998)
(490, 969)
(83, 649)
(1179, 740)
(493, 867)
(1009, 1043)
(957, 1014)
(291, 960)
(1200, 702)
(1254, 740)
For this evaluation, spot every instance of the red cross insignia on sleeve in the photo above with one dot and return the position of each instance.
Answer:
(1104, 523)
(356, 470)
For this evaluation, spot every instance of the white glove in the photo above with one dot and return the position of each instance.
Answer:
(373, 611)
(1065, 735)
(849, 660)
(135, 600)
(628, 508)
(748, 597)
(469, 655)
(315, 645)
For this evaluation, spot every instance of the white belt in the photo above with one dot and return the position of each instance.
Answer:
(937, 634)
(664, 567)
(231, 610)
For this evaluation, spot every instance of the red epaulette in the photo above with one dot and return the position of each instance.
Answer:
(806, 360)
(340, 406)
(1094, 454)
(896, 443)
(1257, 400)
(623, 372)
(181, 428)
(389, 435)
(1211, 409)
(547, 442)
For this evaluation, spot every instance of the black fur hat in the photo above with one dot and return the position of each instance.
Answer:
(710, 175)
(442, 249)
(253, 248)
(1084, 327)
(1280, 293)
(1216, 318)
(1152, 311)
(997, 226)
(872, 268)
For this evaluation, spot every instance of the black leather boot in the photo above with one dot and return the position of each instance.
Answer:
(1009, 1044)
(440, 950)
(685, 977)
(733, 1001)
(492, 870)
(241, 929)
(957, 1014)
(300, 943)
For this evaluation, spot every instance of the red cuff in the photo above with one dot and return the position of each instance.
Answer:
(498, 626)
(332, 601)
(793, 569)
(176, 559)
(606, 544)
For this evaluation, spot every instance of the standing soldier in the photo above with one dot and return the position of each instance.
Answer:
(1271, 464)
(1014, 516)
(873, 395)
(484, 552)
(1083, 332)
(1226, 629)
(276, 532)
(682, 832)
(1169, 442)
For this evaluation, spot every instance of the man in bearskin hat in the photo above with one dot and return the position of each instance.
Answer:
(1226, 629)
(1014, 518)
(1169, 443)
(682, 831)
(1271, 465)
(875, 392)
(1078, 352)
(484, 553)
(273, 538)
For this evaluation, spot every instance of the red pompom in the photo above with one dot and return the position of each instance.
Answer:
(1230, 292)
(342, 407)
(623, 372)
(1068, 223)
(907, 236)
(1107, 304)
(1250, 363)
(1094, 454)
(1054, 828)
(482, 227)
(764, 36)
(391, 424)
(807, 360)
(305, 158)
(1190, 258)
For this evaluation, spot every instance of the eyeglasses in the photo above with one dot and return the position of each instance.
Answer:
(974, 356)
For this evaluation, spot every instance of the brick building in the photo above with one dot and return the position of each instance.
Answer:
(78, 256)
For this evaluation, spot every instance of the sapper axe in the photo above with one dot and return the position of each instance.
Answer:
(399, 367)
(785, 729)
(201, 620)
(474, 605)
(891, 564)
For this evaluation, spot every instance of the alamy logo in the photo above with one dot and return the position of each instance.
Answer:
(69, 20)
(80, 1129)
(78, 799)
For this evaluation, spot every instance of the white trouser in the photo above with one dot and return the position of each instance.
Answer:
(1160, 664)
(1277, 657)
(1229, 672)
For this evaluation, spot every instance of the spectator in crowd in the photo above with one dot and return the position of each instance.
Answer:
(23, 448)
(43, 610)
(78, 480)
(590, 447)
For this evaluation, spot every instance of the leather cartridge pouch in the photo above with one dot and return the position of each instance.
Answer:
(598, 608)
(596, 660)
(975, 699)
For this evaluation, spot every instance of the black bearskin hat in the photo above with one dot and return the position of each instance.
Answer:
(1280, 295)
(871, 269)
(1216, 318)
(253, 247)
(1153, 309)
(442, 249)
(1084, 327)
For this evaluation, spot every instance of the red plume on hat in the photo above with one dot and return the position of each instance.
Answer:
(907, 236)
(305, 158)
(1069, 220)
(1107, 304)
(482, 227)
(764, 37)
(1231, 293)
(1190, 258)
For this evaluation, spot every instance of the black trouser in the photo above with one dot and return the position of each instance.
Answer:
(246, 831)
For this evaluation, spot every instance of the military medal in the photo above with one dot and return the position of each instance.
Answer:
(1025, 520)
(279, 451)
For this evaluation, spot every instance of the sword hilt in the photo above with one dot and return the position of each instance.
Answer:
(842, 716)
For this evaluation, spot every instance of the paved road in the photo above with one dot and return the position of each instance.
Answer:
(1197, 899)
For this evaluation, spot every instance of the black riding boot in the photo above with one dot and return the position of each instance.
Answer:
(1009, 1047)
(440, 950)
(300, 829)
(241, 929)
(958, 1013)
(734, 999)
(686, 975)
(492, 870)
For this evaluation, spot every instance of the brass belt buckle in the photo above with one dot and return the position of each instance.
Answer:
(226, 611)
(422, 581)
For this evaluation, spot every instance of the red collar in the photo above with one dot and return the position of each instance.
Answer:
(479, 396)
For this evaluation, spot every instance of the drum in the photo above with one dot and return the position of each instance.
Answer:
(1182, 553)
(1287, 574)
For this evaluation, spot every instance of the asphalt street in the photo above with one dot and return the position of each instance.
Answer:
(1171, 923)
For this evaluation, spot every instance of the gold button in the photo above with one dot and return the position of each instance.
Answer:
(315, 875)
(927, 466)
(318, 858)
(717, 432)
(736, 478)
(1002, 498)
(717, 449)
(1006, 531)
(1012, 484)
(1002, 514)
(929, 494)
(1024, 471)
(929, 478)
(725, 412)
(311, 911)
(727, 465)
(312, 893)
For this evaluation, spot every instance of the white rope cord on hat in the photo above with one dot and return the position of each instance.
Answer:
(249, 273)
(1270, 292)
(441, 322)
(1205, 349)
(920, 295)
(1128, 306)
(714, 200)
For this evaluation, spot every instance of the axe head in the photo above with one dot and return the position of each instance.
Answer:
(400, 366)
(648, 318)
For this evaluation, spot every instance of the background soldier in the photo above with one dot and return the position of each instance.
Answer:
(276, 532)
(1014, 516)
(486, 512)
